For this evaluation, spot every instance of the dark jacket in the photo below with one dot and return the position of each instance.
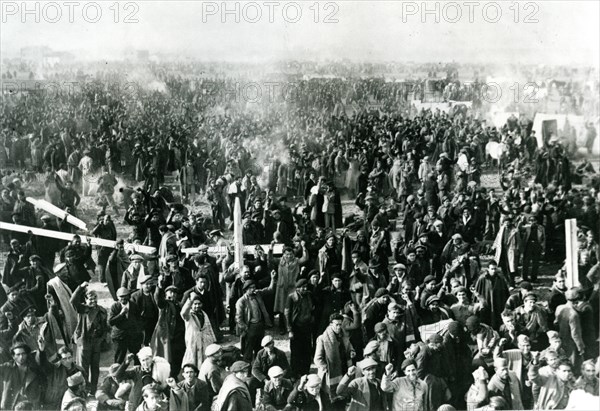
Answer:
(92, 325)
(262, 363)
(124, 325)
(14, 389)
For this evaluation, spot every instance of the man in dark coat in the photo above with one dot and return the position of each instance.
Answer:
(269, 356)
(124, 318)
(277, 390)
(252, 317)
(192, 388)
(331, 300)
(146, 302)
(168, 340)
(493, 288)
(91, 329)
(299, 318)
(20, 379)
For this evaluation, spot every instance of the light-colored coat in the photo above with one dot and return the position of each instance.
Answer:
(197, 337)
(328, 361)
(512, 247)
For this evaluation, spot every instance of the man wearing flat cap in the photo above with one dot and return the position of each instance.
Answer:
(568, 321)
(212, 370)
(310, 394)
(365, 393)
(268, 357)
(126, 332)
(277, 390)
(533, 319)
(234, 394)
(144, 299)
(252, 318)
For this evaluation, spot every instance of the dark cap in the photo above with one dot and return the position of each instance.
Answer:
(239, 366)
(380, 327)
(301, 283)
(248, 284)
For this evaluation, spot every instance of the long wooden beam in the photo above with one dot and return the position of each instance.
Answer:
(59, 235)
(248, 249)
(57, 212)
(571, 243)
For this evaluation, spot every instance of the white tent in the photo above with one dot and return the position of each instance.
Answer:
(575, 121)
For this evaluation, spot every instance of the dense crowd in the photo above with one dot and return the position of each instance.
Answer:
(420, 291)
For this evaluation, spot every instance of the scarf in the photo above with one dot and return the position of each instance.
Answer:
(231, 384)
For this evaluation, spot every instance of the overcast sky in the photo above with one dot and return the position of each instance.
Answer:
(558, 32)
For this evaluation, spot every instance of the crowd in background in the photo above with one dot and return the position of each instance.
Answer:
(406, 280)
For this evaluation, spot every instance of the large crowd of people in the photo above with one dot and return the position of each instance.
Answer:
(384, 269)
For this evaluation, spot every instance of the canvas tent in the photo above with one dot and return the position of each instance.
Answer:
(544, 122)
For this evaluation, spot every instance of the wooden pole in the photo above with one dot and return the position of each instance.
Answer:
(572, 252)
(59, 235)
(57, 212)
(238, 240)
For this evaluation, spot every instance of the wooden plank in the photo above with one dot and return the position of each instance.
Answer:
(57, 212)
(59, 235)
(248, 249)
(572, 253)
(238, 240)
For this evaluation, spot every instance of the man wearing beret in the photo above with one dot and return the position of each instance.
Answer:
(252, 317)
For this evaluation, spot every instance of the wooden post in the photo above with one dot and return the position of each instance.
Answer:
(238, 241)
(572, 251)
